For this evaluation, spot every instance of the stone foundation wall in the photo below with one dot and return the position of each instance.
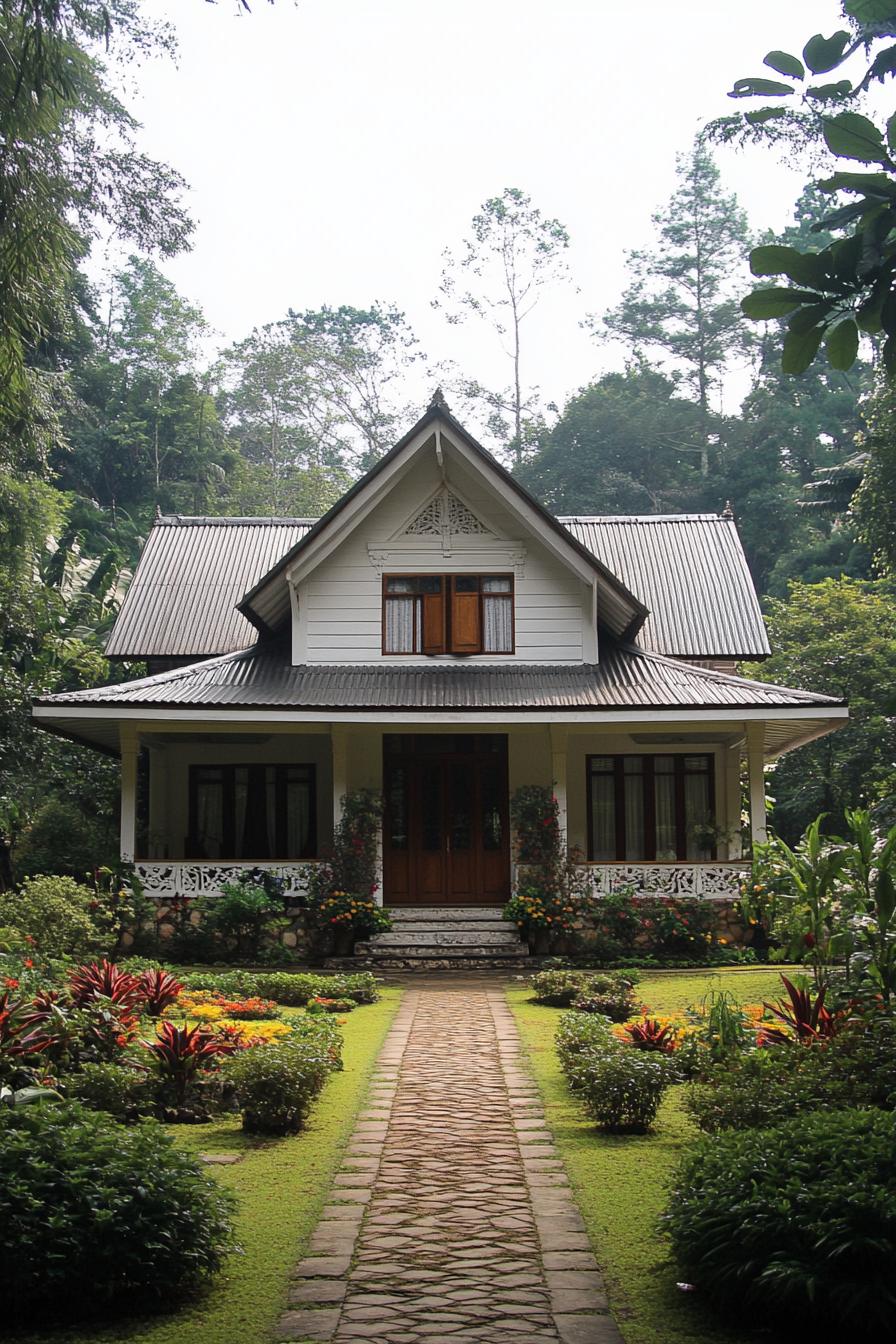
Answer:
(169, 918)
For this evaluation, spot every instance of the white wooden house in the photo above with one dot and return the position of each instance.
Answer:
(439, 636)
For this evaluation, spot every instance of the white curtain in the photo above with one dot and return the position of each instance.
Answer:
(403, 618)
(210, 818)
(664, 793)
(603, 817)
(497, 613)
(634, 816)
(298, 817)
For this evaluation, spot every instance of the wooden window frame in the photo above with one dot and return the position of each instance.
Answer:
(228, 772)
(649, 799)
(447, 597)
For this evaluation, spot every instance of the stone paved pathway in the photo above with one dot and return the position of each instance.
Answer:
(451, 1218)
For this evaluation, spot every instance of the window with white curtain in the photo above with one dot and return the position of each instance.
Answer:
(260, 812)
(654, 808)
(448, 613)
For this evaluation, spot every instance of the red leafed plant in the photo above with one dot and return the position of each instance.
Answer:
(158, 989)
(107, 981)
(650, 1034)
(19, 1037)
(179, 1053)
(804, 1018)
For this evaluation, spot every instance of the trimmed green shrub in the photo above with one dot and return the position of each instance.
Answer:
(55, 912)
(579, 1034)
(795, 1225)
(613, 989)
(765, 1087)
(284, 987)
(123, 1092)
(321, 1030)
(611, 996)
(622, 1088)
(276, 1084)
(93, 1213)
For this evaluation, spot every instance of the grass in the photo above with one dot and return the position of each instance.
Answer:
(620, 1182)
(281, 1186)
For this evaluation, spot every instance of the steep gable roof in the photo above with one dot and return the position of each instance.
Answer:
(266, 604)
(182, 601)
(691, 571)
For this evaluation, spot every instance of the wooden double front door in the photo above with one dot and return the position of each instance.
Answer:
(446, 838)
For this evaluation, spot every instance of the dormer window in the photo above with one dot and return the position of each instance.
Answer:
(448, 613)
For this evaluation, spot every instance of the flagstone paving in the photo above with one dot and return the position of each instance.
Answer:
(451, 1218)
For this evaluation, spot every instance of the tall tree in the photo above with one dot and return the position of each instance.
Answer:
(513, 252)
(626, 444)
(839, 637)
(682, 299)
(275, 415)
(357, 359)
(68, 166)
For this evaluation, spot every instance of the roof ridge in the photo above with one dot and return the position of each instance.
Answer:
(642, 518)
(228, 520)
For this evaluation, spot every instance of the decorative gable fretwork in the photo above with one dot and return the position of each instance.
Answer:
(446, 516)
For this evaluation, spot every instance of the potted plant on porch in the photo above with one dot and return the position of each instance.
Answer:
(549, 887)
(341, 890)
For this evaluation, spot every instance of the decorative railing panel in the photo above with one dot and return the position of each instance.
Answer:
(164, 881)
(713, 881)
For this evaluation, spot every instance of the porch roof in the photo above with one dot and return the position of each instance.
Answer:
(262, 682)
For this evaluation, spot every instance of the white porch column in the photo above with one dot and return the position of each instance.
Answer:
(129, 750)
(733, 802)
(339, 744)
(559, 735)
(756, 777)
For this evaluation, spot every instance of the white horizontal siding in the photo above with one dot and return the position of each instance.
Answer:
(341, 600)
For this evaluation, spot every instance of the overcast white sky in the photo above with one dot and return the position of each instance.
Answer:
(334, 148)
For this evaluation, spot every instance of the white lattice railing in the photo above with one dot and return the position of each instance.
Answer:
(714, 881)
(164, 881)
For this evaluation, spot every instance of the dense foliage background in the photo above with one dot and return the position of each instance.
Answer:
(114, 405)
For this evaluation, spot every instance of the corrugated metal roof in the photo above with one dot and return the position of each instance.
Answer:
(182, 602)
(263, 677)
(691, 571)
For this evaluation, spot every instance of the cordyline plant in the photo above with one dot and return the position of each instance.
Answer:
(105, 980)
(179, 1053)
(805, 1018)
(651, 1034)
(158, 990)
(21, 1041)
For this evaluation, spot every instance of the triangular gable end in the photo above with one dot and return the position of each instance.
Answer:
(267, 605)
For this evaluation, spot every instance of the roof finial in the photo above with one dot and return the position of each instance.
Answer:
(438, 402)
(727, 512)
(158, 511)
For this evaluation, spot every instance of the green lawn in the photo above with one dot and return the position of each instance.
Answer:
(281, 1186)
(620, 1182)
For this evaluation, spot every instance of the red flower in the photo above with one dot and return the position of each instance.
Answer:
(28, 963)
(11, 983)
(809, 939)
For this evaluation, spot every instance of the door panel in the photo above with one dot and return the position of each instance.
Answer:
(445, 835)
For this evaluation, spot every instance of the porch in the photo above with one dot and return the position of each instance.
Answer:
(203, 805)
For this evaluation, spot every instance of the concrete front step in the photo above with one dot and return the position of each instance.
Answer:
(359, 962)
(412, 926)
(375, 951)
(454, 914)
(419, 936)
